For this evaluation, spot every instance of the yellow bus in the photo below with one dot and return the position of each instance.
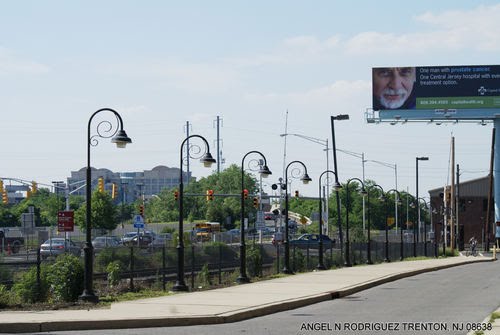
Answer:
(205, 230)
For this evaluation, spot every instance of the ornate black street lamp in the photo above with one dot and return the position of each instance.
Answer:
(264, 172)
(398, 202)
(337, 194)
(194, 151)
(337, 188)
(363, 192)
(105, 129)
(305, 179)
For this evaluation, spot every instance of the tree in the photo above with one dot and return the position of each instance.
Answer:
(104, 213)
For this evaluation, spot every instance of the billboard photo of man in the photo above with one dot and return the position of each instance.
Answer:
(393, 88)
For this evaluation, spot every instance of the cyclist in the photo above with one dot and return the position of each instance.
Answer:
(472, 244)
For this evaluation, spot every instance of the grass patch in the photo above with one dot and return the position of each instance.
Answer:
(494, 316)
(128, 296)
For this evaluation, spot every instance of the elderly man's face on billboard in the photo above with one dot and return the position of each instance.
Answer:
(393, 85)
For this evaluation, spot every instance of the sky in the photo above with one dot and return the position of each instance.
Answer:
(260, 66)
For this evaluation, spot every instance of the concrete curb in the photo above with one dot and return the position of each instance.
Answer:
(235, 316)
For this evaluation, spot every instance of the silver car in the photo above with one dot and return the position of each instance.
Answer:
(58, 246)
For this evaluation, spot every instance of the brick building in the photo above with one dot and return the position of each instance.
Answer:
(472, 200)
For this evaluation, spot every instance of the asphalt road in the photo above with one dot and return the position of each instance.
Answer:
(437, 300)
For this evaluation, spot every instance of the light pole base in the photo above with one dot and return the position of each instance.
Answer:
(88, 297)
(369, 261)
(347, 264)
(287, 271)
(180, 287)
(387, 260)
(320, 267)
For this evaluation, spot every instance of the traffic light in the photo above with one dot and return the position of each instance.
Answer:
(28, 194)
(1, 186)
(5, 198)
(34, 187)
(176, 195)
(245, 194)
(256, 202)
(141, 210)
(210, 195)
(296, 194)
(100, 184)
(114, 191)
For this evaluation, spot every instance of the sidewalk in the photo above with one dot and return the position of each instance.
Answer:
(227, 304)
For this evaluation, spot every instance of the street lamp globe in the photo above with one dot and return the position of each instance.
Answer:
(121, 139)
(207, 160)
(305, 178)
(264, 171)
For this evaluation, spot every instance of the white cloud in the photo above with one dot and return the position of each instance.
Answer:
(10, 63)
(476, 29)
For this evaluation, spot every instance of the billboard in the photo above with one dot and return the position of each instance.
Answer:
(436, 92)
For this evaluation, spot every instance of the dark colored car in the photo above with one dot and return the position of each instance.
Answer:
(312, 241)
(145, 241)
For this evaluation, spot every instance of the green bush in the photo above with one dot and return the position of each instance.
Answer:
(108, 255)
(27, 289)
(66, 278)
(7, 297)
(254, 261)
(167, 229)
(114, 269)
(212, 249)
(299, 260)
(203, 277)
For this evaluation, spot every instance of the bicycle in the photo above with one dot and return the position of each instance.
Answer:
(471, 251)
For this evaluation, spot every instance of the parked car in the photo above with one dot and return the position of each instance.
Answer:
(311, 241)
(102, 242)
(58, 246)
(128, 236)
(145, 241)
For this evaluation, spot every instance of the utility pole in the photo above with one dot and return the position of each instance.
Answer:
(452, 197)
(218, 122)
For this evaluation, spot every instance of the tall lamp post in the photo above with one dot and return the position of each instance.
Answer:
(337, 195)
(305, 179)
(398, 202)
(347, 261)
(337, 187)
(207, 161)
(415, 235)
(105, 129)
(264, 172)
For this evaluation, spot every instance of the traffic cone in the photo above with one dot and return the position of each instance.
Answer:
(8, 249)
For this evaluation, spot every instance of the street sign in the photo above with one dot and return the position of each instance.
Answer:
(65, 221)
(138, 221)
